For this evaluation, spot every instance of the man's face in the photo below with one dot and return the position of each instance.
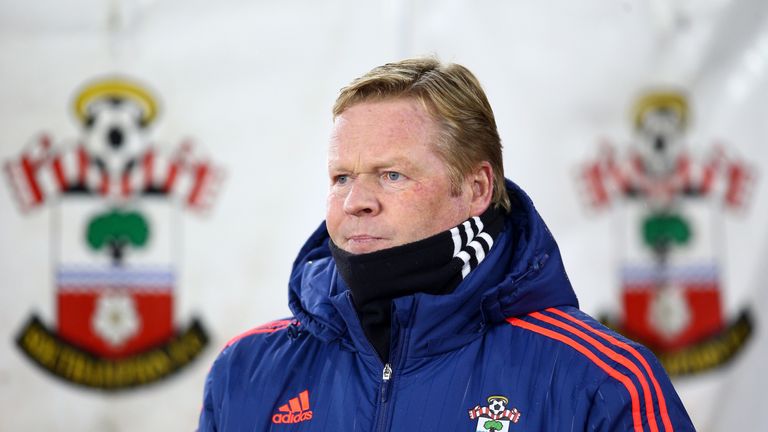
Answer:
(388, 185)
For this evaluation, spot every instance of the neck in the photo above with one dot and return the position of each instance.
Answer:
(435, 265)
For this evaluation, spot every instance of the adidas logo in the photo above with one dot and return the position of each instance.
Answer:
(295, 411)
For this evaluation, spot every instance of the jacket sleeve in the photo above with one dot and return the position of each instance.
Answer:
(207, 421)
(213, 393)
(622, 405)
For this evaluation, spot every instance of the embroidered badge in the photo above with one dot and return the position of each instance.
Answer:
(496, 416)
(115, 199)
(670, 204)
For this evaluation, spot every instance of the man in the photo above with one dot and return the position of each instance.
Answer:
(433, 297)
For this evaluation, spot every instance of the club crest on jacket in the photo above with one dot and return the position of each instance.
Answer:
(496, 416)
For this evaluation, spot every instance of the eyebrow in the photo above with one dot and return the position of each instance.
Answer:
(397, 162)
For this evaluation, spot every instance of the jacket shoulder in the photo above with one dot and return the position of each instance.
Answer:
(252, 350)
(570, 329)
(251, 345)
(252, 355)
(639, 389)
(266, 328)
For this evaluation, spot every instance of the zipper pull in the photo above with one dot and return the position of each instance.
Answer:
(387, 373)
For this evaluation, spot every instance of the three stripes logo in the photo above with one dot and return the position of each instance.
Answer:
(616, 358)
(295, 411)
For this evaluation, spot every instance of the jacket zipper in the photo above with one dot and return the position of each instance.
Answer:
(387, 374)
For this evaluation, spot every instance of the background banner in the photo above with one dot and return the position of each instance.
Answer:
(638, 128)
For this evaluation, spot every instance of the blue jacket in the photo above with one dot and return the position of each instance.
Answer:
(507, 350)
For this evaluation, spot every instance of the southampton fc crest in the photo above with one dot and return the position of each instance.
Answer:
(115, 200)
(496, 416)
(669, 205)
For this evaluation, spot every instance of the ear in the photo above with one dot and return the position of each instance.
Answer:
(481, 186)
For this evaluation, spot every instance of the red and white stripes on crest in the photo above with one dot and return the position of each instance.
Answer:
(43, 172)
(601, 348)
(718, 175)
(470, 244)
(512, 415)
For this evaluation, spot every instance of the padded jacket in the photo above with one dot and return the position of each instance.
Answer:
(508, 350)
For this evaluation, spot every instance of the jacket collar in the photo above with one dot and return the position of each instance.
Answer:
(522, 273)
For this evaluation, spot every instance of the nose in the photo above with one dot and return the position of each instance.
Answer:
(361, 199)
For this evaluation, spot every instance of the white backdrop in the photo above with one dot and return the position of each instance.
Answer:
(253, 83)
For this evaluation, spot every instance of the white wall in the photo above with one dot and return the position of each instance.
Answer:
(253, 83)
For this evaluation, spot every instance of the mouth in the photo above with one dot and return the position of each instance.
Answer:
(362, 243)
(362, 238)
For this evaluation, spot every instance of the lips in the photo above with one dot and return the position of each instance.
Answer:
(364, 243)
(362, 238)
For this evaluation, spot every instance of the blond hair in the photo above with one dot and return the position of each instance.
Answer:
(455, 100)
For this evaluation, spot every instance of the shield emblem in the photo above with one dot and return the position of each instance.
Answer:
(669, 277)
(669, 204)
(494, 417)
(116, 200)
(487, 424)
(115, 274)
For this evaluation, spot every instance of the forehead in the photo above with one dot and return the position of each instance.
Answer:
(383, 126)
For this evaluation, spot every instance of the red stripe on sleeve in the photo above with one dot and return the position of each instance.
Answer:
(613, 356)
(659, 395)
(613, 373)
(270, 327)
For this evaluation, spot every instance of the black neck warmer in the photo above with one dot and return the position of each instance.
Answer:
(435, 265)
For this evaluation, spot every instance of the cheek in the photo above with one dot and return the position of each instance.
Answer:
(422, 204)
(331, 204)
(333, 212)
(444, 211)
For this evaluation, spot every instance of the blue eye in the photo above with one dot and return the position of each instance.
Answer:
(394, 176)
(342, 179)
